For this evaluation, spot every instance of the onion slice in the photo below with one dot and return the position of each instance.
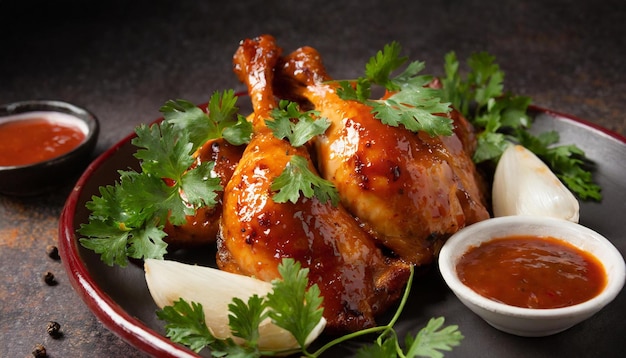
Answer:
(525, 185)
(168, 281)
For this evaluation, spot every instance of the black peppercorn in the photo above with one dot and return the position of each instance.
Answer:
(53, 252)
(39, 351)
(54, 329)
(49, 279)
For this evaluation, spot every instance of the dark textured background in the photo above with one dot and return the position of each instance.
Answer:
(123, 59)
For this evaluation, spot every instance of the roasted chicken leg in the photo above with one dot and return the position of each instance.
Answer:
(411, 189)
(356, 280)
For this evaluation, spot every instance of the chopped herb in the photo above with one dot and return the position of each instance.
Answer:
(410, 103)
(502, 118)
(297, 178)
(221, 120)
(128, 218)
(298, 127)
(291, 306)
(186, 324)
(289, 123)
(297, 309)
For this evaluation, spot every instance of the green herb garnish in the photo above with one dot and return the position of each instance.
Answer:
(128, 218)
(297, 309)
(220, 121)
(290, 305)
(502, 118)
(411, 102)
(297, 178)
(288, 122)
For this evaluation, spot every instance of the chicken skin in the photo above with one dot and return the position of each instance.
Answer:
(411, 189)
(355, 279)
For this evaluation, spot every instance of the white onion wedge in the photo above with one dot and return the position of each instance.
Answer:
(524, 185)
(168, 281)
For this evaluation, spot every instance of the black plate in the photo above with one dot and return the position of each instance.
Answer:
(120, 298)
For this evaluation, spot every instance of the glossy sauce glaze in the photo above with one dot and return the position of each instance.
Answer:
(358, 282)
(532, 272)
(412, 190)
(38, 136)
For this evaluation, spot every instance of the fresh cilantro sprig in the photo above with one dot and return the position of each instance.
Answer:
(288, 122)
(221, 120)
(127, 219)
(290, 305)
(297, 179)
(298, 310)
(428, 342)
(568, 162)
(293, 306)
(186, 325)
(410, 103)
(502, 119)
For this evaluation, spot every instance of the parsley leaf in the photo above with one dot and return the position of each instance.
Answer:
(568, 162)
(297, 309)
(432, 339)
(108, 235)
(299, 127)
(293, 306)
(297, 178)
(428, 342)
(502, 118)
(186, 324)
(299, 132)
(379, 68)
(394, 111)
(122, 230)
(386, 348)
(127, 219)
(410, 103)
(244, 318)
(220, 121)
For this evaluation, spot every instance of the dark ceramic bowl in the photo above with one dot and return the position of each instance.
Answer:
(42, 177)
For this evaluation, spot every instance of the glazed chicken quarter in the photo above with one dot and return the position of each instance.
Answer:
(357, 281)
(411, 190)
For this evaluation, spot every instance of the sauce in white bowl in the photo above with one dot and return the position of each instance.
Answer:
(524, 321)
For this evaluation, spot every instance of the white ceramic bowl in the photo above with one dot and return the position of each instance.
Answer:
(527, 321)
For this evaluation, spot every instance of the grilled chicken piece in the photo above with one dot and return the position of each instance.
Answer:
(356, 280)
(411, 189)
(202, 228)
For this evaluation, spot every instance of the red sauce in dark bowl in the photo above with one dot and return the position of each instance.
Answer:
(38, 137)
(532, 272)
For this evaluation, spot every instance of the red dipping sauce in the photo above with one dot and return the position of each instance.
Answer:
(35, 137)
(532, 272)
